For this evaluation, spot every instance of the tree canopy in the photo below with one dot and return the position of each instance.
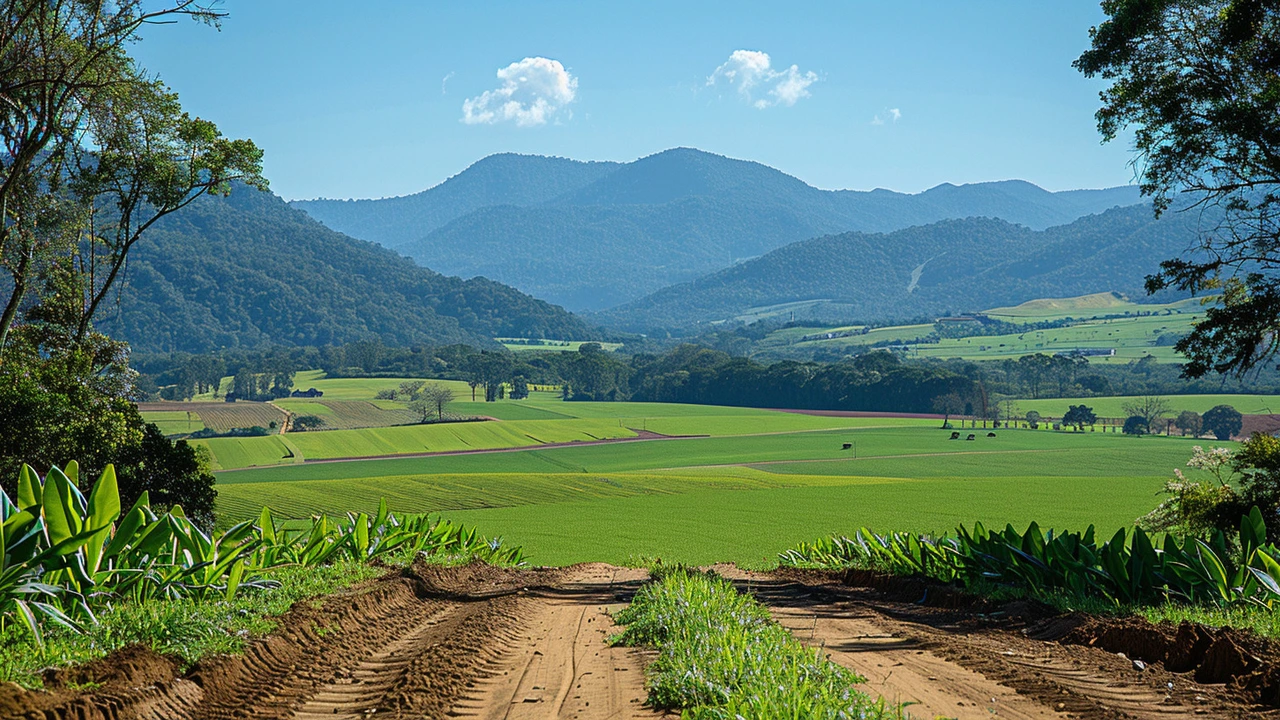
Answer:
(1197, 83)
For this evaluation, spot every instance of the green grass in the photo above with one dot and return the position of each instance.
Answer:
(1088, 306)
(250, 452)
(721, 655)
(173, 422)
(189, 629)
(1113, 407)
(741, 499)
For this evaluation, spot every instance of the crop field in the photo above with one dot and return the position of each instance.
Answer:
(702, 499)
(219, 416)
(1108, 321)
(1113, 407)
(174, 422)
(351, 414)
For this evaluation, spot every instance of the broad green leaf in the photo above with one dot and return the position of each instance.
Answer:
(30, 489)
(59, 507)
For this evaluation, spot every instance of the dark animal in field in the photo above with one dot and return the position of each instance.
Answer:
(955, 436)
(991, 434)
(847, 446)
(971, 437)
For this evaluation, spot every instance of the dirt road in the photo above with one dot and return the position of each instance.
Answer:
(479, 642)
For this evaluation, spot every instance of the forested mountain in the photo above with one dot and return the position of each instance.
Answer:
(592, 235)
(248, 270)
(954, 265)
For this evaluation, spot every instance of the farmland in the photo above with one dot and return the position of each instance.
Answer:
(660, 498)
(1102, 321)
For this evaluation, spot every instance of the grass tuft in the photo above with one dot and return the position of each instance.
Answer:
(721, 656)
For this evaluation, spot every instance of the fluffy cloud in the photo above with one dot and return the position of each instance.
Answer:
(532, 92)
(752, 73)
(890, 115)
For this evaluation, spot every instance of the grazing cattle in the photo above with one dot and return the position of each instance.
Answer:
(971, 437)
(991, 434)
(955, 436)
(847, 446)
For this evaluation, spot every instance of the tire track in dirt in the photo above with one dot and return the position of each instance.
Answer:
(560, 664)
(911, 653)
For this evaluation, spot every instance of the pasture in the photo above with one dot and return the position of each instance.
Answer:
(740, 497)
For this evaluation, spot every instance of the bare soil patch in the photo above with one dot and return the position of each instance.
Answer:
(429, 642)
(960, 656)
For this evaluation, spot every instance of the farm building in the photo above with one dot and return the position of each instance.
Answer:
(308, 393)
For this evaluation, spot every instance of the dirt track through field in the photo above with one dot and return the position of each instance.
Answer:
(493, 644)
(946, 666)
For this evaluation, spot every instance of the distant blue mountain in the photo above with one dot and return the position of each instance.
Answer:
(590, 236)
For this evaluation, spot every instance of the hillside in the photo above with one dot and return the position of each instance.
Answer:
(593, 235)
(248, 270)
(954, 265)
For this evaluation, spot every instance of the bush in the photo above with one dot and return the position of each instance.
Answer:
(303, 423)
(1135, 425)
(1223, 421)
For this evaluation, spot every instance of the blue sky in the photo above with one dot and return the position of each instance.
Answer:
(385, 98)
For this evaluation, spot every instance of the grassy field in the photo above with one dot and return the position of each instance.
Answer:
(742, 495)
(219, 416)
(1113, 407)
(174, 422)
(1107, 321)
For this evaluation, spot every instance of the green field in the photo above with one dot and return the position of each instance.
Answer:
(764, 482)
(174, 422)
(1107, 321)
(1113, 407)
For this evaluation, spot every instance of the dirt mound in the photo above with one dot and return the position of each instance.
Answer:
(477, 580)
(128, 667)
(1211, 655)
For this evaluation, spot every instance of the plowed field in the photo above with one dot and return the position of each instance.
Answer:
(479, 642)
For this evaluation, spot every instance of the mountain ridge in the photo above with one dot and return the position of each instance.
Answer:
(594, 235)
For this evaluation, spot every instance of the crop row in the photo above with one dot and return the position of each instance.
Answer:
(1127, 569)
(62, 555)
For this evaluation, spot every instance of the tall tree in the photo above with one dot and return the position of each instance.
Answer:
(95, 149)
(1197, 82)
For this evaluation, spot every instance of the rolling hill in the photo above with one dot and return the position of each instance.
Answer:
(248, 270)
(594, 235)
(953, 265)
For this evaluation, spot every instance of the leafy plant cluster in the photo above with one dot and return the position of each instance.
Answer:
(1127, 569)
(721, 656)
(64, 555)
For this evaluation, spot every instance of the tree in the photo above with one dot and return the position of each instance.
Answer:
(1079, 416)
(1223, 421)
(1197, 83)
(1033, 419)
(409, 389)
(95, 149)
(519, 388)
(1189, 422)
(303, 423)
(1135, 425)
(439, 395)
(1150, 408)
(948, 405)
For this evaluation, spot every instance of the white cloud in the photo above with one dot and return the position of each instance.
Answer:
(444, 82)
(891, 115)
(751, 71)
(532, 92)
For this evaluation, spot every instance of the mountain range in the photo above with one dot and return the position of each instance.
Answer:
(949, 266)
(595, 235)
(247, 270)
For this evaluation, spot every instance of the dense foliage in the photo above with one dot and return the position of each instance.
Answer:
(951, 266)
(249, 271)
(1196, 83)
(1123, 570)
(66, 554)
(692, 212)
